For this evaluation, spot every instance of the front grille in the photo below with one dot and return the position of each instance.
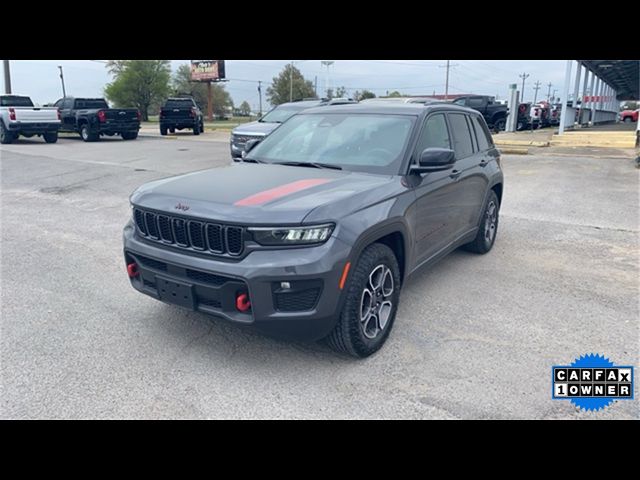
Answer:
(192, 234)
(208, 278)
(151, 263)
(297, 301)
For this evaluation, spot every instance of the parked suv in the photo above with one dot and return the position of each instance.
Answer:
(269, 122)
(494, 113)
(181, 112)
(316, 231)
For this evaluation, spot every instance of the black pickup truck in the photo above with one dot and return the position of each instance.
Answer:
(494, 113)
(92, 117)
(179, 113)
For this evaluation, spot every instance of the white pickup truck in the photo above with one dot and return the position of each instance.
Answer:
(18, 117)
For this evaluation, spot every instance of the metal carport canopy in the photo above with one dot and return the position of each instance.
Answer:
(622, 75)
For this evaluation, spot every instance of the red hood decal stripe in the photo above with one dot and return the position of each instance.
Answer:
(281, 191)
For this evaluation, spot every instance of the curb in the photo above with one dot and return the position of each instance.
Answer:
(515, 151)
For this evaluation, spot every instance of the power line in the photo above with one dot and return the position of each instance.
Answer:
(448, 66)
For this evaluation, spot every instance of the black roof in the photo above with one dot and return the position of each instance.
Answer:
(390, 108)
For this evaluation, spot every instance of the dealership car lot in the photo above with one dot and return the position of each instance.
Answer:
(475, 337)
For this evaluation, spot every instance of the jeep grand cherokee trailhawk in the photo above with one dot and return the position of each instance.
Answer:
(315, 232)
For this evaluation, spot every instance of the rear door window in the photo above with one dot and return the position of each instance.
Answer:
(482, 134)
(462, 143)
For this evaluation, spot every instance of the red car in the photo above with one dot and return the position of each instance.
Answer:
(629, 116)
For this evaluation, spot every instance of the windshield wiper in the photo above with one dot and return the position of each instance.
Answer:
(310, 164)
(252, 160)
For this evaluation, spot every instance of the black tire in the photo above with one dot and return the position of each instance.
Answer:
(500, 125)
(486, 238)
(196, 129)
(6, 137)
(172, 130)
(163, 130)
(202, 126)
(129, 135)
(348, 336)
(86, 134)
(627, 119)
(50, 137)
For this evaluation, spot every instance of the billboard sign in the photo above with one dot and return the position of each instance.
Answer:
(207, 70)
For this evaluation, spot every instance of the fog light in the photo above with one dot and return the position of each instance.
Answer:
(285, 285)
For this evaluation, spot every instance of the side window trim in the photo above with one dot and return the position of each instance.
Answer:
(472, 132)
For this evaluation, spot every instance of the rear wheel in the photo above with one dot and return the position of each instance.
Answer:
(627, 119)
(86, 134)
(6, 137)
(196, 129)
(172, 130)
(50, 137)
(488, 228)
(371, 304)
(129, 135)
(499, 125)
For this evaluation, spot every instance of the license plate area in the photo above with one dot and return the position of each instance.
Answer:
(172, 291)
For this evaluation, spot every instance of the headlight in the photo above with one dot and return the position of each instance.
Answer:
(269, 236)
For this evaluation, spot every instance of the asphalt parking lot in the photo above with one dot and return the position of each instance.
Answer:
(475, 337)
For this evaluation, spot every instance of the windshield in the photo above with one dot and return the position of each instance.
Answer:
(360, 142)
(90, 103)
(279, 115)
(15, 101)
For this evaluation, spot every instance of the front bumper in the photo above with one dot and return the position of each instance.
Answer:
(215, 283)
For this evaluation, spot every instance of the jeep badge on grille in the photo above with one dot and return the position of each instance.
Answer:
(181, 206)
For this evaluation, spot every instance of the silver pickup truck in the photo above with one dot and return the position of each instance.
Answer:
(18, 116)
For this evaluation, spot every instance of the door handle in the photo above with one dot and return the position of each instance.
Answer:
(483, 163)
(455, 174)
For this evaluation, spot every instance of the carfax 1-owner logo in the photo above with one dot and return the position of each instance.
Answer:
(592, 382)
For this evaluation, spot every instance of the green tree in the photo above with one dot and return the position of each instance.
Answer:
(395, 93)
(341, 92)
(365, 94)
(182, 85)
(279, 90)
(245, 108)
(138, 83)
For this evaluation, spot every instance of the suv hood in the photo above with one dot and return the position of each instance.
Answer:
(255, 128)
(254, 193)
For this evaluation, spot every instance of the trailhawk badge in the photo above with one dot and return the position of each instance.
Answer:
(592, 382)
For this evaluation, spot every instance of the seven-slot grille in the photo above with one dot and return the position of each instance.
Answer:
(194, 234)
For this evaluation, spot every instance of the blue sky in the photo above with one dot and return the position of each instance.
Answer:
(39, 78)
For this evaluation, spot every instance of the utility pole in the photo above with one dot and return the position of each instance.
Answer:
(64, 93)
(537, 87)
(7, 77)
(524, 76)
(448, 66)
(549, 91)
(315, 86)
(209, 102)
(260, 96)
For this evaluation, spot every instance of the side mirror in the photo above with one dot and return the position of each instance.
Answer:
(434, 160)
(250, 145)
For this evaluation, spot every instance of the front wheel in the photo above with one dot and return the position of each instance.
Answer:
(50, 137)
(499, 125)
(488, 228)
(371, 304)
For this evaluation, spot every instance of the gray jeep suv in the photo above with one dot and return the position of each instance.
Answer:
(314, 234)
(268, 123)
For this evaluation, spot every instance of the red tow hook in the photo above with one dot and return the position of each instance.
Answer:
(132, 270)
(242, 302)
